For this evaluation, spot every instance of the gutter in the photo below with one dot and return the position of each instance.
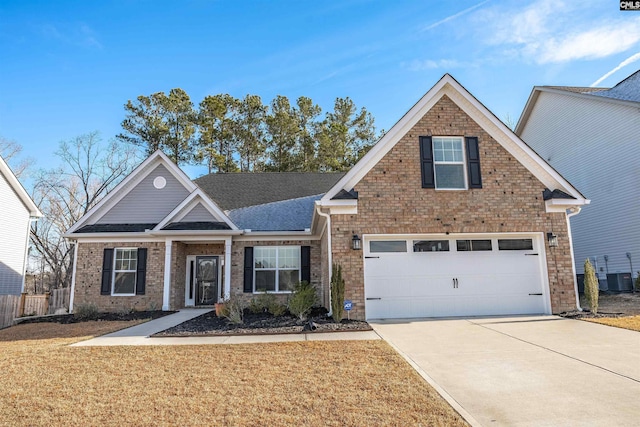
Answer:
(329, 251)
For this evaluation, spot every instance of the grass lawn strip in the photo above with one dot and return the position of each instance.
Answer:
(629, 322)
(349, 383)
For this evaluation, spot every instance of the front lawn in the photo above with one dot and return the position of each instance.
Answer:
(45, 382)
(628, 322)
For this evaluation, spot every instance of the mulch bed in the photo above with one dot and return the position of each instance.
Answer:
(611, 305)
(262, 323)
(71, 318)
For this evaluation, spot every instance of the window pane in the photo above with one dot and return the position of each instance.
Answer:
(430, 245)
(265, 281)
(264, 257)
(289, 257)
(125, 283)
(388, 246)
(287, 279)
(449, 176)
(473, 245)
(515, 244)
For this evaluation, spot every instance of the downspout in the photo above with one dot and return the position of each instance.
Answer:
(572, 212)
(329, 251)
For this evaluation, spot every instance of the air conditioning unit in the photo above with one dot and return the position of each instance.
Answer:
(620, 282)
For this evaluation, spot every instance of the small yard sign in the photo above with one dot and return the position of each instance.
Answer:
(348, 305)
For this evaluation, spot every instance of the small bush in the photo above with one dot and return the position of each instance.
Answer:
(304, 297)
(86, 311)
(266, 302)
(591, 286)
(337, 293)
(277, 309)
(255, 306)
(234, 310)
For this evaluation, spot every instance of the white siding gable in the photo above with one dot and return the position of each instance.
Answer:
(595, 144)
(145, 203)
(14, 230)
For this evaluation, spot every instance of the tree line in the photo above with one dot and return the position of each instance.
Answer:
(228, 134)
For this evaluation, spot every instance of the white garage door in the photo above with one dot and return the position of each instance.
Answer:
(475, 275)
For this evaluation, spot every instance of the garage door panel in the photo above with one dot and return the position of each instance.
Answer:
(452, 283)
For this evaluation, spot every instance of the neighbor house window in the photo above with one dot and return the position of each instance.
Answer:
(276, 268)
(124, 271)
(448, 163)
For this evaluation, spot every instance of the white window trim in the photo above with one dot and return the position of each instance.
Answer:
(443, 162)
(113, 274)
(276, 269)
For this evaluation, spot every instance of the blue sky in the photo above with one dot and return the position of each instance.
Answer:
(67, 68)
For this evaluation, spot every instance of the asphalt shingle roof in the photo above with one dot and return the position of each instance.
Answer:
(626, 90)
(239, 190)
(115, 228)
(286, 215)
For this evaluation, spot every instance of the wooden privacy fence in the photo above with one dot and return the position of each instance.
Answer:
(12, 306)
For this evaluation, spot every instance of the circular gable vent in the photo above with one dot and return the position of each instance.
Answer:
(159, 182)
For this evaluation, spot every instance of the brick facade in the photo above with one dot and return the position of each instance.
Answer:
(179, 253)
(89, 278)
(237, 264)
(392, 200)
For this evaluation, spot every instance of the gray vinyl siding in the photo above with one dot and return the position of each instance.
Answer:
(596, 145)
(14, 229)
(145, 203)
(198, 213)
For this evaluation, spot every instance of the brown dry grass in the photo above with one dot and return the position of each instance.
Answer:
(363, 383)
(630, 322)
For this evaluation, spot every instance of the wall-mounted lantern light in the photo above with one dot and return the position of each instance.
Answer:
(553, 240)
(356, 243)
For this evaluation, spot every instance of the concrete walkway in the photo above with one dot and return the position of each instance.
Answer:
(141, 334)
(526, 371)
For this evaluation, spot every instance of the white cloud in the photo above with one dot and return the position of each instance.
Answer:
(75, 34)
(554, 32)
(430, 64)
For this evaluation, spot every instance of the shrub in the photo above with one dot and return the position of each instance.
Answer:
(267, 302)
(304, 297)
(86, 311)
(591, 286)
(234, 310)
(337, 293)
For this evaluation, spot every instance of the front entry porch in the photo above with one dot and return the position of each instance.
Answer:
(199, 273)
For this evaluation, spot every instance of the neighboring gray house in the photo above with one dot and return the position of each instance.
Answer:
(16, 212)
(592, 137)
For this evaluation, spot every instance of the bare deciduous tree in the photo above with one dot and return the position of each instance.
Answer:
(10, 152)
(89, 170)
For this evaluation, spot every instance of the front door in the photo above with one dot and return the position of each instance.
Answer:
(203, 287)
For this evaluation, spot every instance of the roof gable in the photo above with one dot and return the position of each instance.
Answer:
(16, 186)
(156, 165)
(196, 209)
(448, 86)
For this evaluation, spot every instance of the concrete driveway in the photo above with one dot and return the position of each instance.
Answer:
(526, 371)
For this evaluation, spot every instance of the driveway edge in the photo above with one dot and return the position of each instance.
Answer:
(446, 396)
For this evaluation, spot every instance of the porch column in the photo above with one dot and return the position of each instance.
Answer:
(227, 267)
(166, 293)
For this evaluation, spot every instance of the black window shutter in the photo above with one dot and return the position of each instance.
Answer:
(107, 268)
(305, 263)
(473, 162)
(248, 269)
(141, 272)
(426, 162)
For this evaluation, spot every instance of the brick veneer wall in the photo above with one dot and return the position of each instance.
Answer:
(237, 264)
(179, 253)
(89, 278)
(392, 200)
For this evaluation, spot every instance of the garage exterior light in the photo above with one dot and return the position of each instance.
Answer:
(356, 243)
(553, 240)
